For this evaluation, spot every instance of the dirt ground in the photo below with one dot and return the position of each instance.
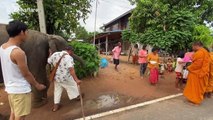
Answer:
(109, 90)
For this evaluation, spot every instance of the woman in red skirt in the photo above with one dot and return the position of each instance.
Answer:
(153, 65)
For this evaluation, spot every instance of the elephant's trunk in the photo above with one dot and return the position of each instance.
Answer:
(78, 59)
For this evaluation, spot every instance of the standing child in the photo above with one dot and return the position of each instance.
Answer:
(162, 67)
(170, 65)
(179, 70)
(135, 54)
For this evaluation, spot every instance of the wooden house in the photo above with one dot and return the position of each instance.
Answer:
(112, 34)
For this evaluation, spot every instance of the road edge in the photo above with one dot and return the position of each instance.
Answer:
(91, 117)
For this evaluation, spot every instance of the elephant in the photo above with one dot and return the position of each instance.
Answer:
(37, 48)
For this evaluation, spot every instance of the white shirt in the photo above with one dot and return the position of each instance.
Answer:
(63, 71)
(179, 66)
(14, 81)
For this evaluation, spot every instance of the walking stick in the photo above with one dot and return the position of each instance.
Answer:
(82, 105)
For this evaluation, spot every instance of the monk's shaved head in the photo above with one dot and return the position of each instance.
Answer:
(198, 43)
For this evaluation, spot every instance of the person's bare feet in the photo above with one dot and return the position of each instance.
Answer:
(116, 69)
(153, 84)
(209, 95)
(179, 89)
(191, 103)
(56, 107)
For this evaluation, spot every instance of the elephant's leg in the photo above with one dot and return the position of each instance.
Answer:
(37, 60)
(40, 97)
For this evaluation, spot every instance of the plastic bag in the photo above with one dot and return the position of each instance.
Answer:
(104, 63)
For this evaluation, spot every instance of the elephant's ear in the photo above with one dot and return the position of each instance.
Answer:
(57, 43)
(52, 44)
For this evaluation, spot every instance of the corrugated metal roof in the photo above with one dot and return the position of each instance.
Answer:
(115, 31)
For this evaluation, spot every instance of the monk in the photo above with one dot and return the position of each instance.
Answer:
(209, 89)
(198, 74)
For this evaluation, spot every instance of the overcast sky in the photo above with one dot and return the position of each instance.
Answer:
(7, 7)
(107, 10)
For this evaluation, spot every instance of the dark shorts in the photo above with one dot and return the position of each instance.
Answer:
(116, 61)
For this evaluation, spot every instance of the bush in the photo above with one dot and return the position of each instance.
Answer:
(89, 54)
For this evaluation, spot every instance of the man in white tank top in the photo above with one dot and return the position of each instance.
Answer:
(16, 75)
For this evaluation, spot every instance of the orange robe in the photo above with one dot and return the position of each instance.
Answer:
(198, 76)
(210, 82)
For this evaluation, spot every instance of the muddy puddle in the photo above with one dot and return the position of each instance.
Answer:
(107, 101)
(101, 103)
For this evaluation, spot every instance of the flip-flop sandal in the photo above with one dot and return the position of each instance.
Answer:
(54, 109)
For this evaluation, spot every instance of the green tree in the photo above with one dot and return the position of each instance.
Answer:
(202, 8)
(203, 33)
(81, 33)
(128, 35)
(168, 24)
(148, 14)
(61, 16)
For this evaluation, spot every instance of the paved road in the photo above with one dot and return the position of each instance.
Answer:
(173, 109)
